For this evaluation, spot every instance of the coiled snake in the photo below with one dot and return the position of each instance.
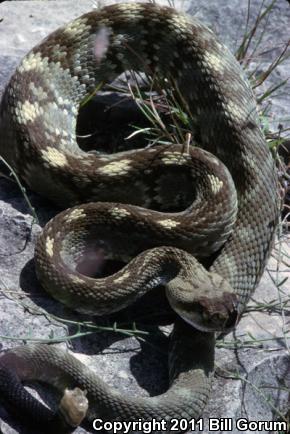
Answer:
(229, 192)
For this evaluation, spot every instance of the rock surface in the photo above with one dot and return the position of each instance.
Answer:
(253, 365)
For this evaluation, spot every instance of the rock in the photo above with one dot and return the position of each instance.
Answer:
(252, 378)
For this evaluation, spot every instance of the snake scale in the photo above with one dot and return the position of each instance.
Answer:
(227, 187)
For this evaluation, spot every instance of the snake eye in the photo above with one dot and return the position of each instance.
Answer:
(217, 318)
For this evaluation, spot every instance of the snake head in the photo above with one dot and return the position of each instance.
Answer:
(219, 313)
(209, 304)
(213, 314)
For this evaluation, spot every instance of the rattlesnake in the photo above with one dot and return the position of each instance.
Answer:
(231, 181)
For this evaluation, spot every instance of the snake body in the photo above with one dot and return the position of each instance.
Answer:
(230, 178)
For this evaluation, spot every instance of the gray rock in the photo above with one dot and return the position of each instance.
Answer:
(252, 378)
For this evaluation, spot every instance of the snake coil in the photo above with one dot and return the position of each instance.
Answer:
(227, 185)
